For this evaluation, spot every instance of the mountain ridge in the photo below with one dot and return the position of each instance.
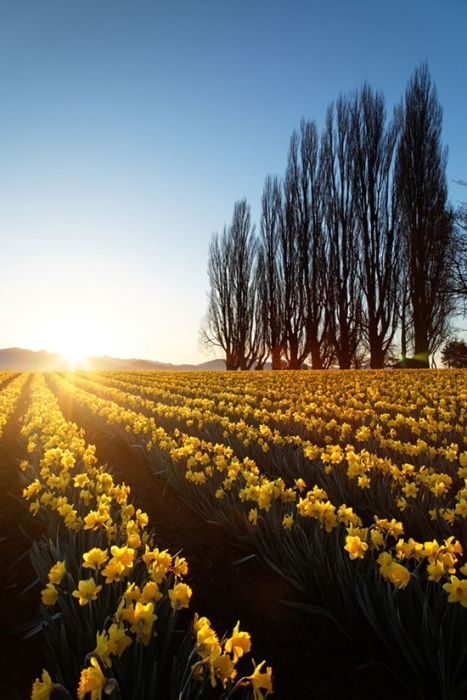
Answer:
(21, 359)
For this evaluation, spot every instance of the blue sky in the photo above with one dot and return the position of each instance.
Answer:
(128, 129)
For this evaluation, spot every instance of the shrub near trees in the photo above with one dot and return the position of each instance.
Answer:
(357, 253)
(454, 354)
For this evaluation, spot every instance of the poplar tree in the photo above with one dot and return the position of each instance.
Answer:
(230, 321)
(372, 157)
(343, 288)
(426, 222)
(269, 279)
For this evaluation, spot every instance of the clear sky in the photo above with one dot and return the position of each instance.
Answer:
(129, 128)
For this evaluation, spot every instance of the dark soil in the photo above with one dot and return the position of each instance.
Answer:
(309, 658)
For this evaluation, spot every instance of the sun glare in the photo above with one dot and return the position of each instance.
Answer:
(77, 337)
(74, 357)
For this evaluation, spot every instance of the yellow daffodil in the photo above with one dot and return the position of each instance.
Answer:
(87, 590)
(150, 592)
(385, 561)
(399, 575)
(102, 648)
(35, 507)
(42, 689)
(300, 484)
(113, 571)
(206, 638)
(94, 519)
(261, 681)
(457, 590)
(57, 572)
(253, 516)
(180, 596)
(49, 594)
(92, 680)
(95, 558)
(133, 540)
(141, 618)
(223, 668)
(118, 640)
(220, 666)
(80, 480)
(180, 566)
(239, 643)
(355, 547)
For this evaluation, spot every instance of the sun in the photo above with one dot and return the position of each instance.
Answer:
(74, 357)
(77, 337)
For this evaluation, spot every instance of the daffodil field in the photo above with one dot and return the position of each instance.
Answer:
(10, 395)
(111, 599)
(351, 485)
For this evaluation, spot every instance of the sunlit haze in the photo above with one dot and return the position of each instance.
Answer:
(129, 129)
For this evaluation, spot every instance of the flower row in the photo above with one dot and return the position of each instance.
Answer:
(113, 588)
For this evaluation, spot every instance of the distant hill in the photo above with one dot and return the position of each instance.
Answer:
(19, 359)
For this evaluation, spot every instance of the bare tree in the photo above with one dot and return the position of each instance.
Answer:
(460, 214)
(232, 307)
(303, 251)
(218, 325)
(459, 255)
(261, 325)
(290, 264)
(312, 243)
(426, 225)
(343, 291)
(372, 155)
(357, 244)
(269, 278)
